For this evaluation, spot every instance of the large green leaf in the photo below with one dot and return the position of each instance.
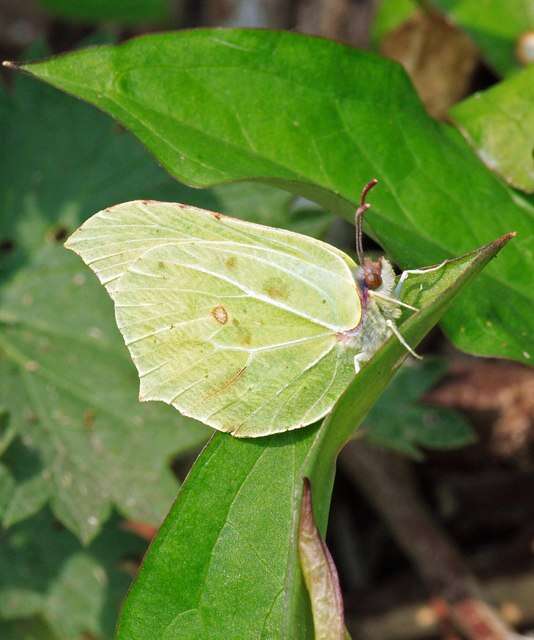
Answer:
(45, 572)
(224, 564)
(499, 123)
(494, 25)
(71, 391)
(319, 119)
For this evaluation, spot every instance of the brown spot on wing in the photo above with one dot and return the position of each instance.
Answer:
(231, 380)
(220, 314)
(216, 215)
(276, 288)
(230, 262)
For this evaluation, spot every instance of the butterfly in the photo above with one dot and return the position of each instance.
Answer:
(249, 329)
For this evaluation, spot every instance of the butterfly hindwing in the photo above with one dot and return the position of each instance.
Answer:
(234, 324)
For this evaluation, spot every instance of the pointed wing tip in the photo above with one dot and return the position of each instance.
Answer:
(507, 236)
(499, 243)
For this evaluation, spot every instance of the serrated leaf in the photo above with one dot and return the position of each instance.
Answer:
(318, 118)
(129, 11)
(225, 561)
(45, 572)
(499, 124)
(496, 26)
(72, 395)
(400, 421)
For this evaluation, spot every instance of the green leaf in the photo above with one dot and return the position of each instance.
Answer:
(496, 26)
(225, 562)
(72, 395)
(130, 11)
(45, 572)
(499, 124)
(400, 421)
(319, 119)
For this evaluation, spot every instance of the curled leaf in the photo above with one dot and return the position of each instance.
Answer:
(320, 575)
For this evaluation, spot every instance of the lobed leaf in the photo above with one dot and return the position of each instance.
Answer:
(225, 562)
(319, 119)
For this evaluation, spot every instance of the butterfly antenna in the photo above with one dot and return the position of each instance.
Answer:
(362, 208)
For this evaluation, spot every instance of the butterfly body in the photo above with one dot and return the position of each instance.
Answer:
(249, 329)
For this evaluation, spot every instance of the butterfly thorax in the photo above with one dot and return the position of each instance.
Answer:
(372, 331)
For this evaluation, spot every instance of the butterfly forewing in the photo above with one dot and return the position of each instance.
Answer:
(234, 324)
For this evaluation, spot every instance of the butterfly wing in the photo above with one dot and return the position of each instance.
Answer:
(232, 323)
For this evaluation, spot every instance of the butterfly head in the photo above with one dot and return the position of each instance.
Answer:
(372, 273)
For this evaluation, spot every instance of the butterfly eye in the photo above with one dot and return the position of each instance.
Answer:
(373, 280)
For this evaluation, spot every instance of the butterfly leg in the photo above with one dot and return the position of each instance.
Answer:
(400, 338)
(405, 274)
(363, 356)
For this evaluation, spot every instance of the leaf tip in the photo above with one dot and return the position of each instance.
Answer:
(9, 64)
